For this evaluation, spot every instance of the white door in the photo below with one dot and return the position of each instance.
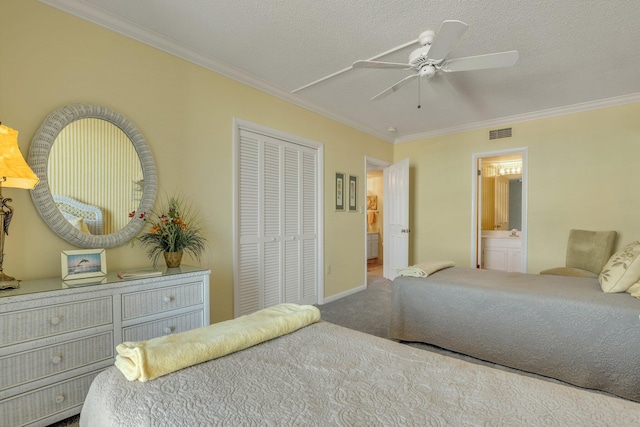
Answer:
(277, 223)
(396, 218)
(478, 250)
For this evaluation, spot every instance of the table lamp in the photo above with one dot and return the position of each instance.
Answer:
(14, 173)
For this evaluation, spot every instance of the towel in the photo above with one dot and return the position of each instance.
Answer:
(424, 269)
(147, 360)
(371, 217)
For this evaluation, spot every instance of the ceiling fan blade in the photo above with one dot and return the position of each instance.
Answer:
(378, 64)
(480, 62)
(448, 35)
(395, 87)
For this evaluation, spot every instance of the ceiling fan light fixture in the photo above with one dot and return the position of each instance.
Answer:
(428, 71)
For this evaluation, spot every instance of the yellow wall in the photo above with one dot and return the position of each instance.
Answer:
(51, 59)
(582, 174)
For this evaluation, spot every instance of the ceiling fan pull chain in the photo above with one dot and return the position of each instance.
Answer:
(419, 86)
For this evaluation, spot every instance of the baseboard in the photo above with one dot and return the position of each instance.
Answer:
(344, 294)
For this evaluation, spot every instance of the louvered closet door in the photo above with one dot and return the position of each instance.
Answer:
(277, 224)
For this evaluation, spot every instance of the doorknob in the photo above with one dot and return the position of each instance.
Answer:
(405, 230)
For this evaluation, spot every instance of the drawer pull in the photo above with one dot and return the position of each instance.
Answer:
(60, 398)
(167, 299)
(55, 320)
(56, 360)
(168, 330)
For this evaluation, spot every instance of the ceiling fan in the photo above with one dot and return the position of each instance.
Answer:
(430, 58)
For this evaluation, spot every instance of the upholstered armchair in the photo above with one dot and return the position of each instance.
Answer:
(587, 253)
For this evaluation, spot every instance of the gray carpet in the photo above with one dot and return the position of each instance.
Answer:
(69, 422)
(367, 311)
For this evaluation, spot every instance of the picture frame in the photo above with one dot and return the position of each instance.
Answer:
(81, 264)
(353, 193)
(372, 203)
(340, 190)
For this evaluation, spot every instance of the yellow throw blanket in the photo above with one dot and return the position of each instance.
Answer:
(424, 269)
(147, 360)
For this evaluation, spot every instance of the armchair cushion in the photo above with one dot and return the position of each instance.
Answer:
(587, 253)
(590, 250)
(569, 271)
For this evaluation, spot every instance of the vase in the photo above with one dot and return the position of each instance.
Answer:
(173, 259)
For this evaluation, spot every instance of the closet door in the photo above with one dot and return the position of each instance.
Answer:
(277, 223)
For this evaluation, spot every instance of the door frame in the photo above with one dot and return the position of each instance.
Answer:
(475, 205)
(376, 164)
(239, 124)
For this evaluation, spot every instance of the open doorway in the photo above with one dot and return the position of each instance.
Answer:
(375, 227)
(500, 214)
(374, 217)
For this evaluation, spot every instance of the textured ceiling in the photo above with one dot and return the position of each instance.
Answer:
(574, 54)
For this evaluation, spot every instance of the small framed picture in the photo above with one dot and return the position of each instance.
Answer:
(353, 193)
(340, 188)
(81, 264)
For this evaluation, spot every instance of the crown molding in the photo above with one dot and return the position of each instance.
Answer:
(509, 120)
(120, 25)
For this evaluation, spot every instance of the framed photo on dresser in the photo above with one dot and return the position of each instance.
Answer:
(81, 264)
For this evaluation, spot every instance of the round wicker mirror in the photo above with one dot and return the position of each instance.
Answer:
(59, 219)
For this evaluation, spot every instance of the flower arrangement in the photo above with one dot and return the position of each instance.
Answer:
(174, 229)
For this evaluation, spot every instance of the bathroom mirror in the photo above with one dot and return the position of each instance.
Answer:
(95, 167)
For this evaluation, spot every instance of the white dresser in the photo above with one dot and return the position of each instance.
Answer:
(54, 339)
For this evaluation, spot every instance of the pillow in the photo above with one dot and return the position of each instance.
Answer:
(79, 224)
(634, 290)
(622, 270)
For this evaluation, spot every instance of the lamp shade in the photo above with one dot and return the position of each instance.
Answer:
(14, 170)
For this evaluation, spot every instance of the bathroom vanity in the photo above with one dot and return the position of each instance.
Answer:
(501, 250)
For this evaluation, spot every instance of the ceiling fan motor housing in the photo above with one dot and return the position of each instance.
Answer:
(419, 56)
(426, 37)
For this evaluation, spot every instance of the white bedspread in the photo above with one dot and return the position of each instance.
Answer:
(324, 374)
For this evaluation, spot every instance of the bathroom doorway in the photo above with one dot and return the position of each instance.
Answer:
(374, 217)
(499, 199)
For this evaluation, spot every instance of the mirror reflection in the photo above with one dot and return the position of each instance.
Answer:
(95, 176)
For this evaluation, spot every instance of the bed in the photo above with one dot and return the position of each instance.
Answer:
(324, 374)
(560, 327)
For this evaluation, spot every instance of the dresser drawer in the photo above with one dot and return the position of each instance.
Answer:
(20, 368)
(32, 324)
(44, 402)
(159, 300)
(170, 325)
